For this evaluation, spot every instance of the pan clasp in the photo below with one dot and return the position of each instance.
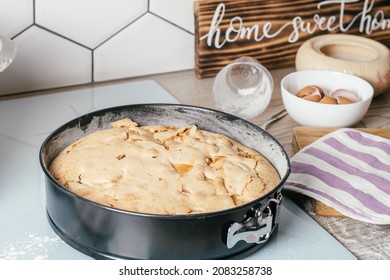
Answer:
(258, 227)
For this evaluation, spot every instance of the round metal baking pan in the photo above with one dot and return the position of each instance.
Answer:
(106, 233)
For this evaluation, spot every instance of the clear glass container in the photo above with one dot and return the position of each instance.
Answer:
(7, 52)
(243, 88)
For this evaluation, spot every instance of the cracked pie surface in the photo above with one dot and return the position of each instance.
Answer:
(163, 169)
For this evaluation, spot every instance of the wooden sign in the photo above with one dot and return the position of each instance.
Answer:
(272, 30)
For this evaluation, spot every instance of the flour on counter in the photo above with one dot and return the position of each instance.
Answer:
(30, 246)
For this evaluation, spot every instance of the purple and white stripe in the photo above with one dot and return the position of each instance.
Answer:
(347, 170)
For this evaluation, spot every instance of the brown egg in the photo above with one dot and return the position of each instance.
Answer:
(321, 91)
(344, 93)
(310, 90)
(313, 98)
(307, 90)
(328, 100)
(343, 100)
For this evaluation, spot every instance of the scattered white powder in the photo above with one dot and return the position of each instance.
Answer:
(30, 246)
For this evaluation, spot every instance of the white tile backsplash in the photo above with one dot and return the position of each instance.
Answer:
(44, 60)
(159, 47)
(184, 18)
(15, 16)
(70, 42)
(88, 22)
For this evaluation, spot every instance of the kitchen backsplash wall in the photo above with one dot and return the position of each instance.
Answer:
(71, 42)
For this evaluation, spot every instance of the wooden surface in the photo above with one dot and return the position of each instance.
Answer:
(276, 52)
(303, 136)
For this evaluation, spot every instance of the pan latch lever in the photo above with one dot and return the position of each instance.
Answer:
(258, 227)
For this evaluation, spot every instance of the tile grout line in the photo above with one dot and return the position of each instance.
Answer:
(174, 24)
(92, 49)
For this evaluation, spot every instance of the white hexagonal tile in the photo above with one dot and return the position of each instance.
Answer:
(148, 46)
(180, 12)
(45, 60)
(15, 16)
(88, 22)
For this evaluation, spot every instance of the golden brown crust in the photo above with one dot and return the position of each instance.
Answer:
(163, 169)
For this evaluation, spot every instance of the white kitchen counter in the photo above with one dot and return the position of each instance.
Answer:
(26, 122)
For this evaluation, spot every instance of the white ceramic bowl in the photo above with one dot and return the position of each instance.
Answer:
(308, 113)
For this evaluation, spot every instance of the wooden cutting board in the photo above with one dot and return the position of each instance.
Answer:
(303, 136)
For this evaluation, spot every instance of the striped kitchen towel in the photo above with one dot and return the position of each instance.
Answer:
(348, 170)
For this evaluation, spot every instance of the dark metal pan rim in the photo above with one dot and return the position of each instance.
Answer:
(141, 214)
